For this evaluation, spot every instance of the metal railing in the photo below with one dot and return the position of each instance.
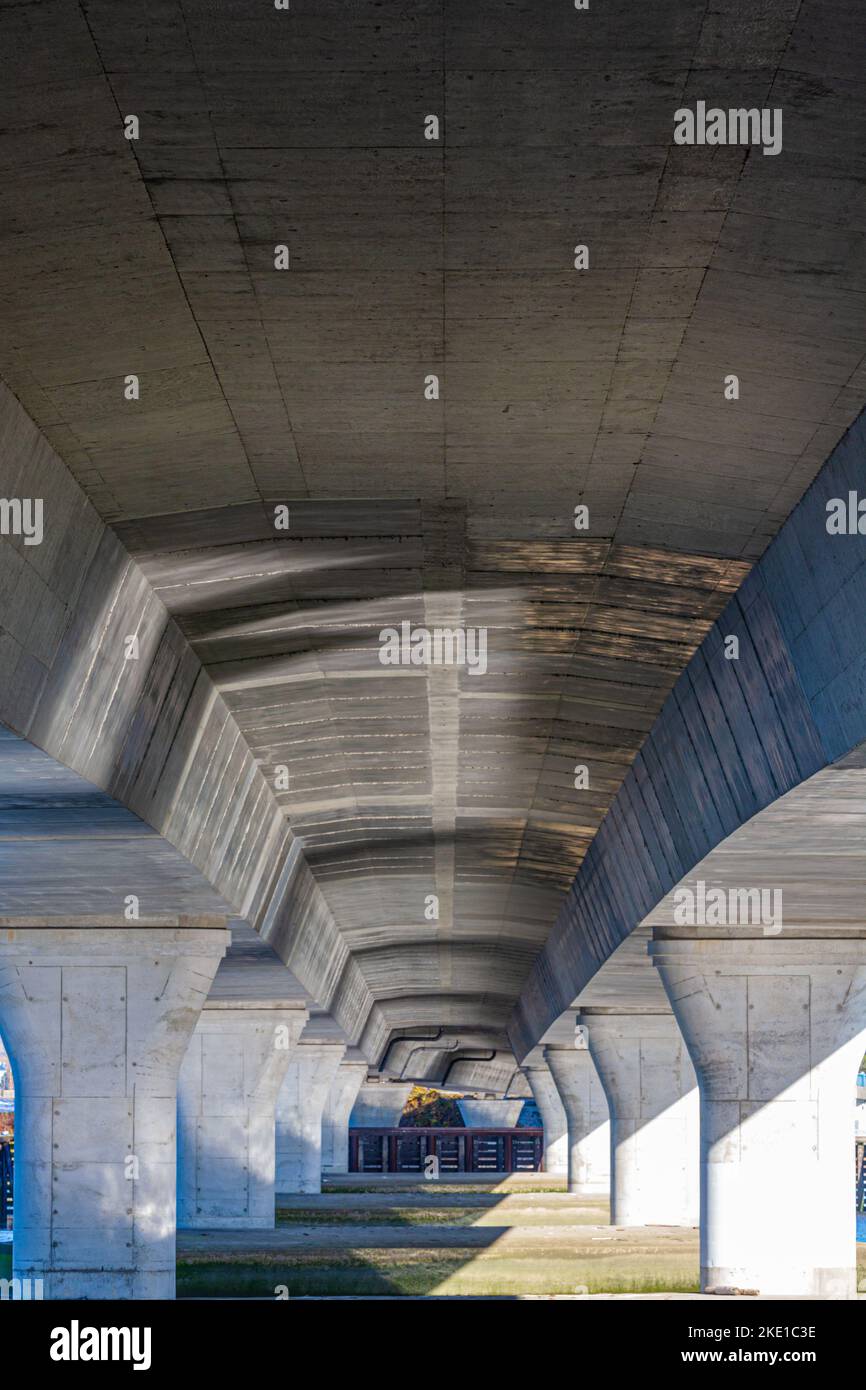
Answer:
(7, 1170)
(410, 1150)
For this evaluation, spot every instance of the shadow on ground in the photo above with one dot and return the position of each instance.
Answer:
(500, 1240)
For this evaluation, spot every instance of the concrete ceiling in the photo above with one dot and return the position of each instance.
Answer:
(559, 387)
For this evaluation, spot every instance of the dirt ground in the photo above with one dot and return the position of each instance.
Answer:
(402, 1239)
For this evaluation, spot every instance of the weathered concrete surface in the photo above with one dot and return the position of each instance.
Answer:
(417, 844)
(350, 1077)
(777, 1029)
(155, 256)
(652, 1096)
(96, 1020)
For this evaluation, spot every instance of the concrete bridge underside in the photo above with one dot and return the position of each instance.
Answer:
(423, 869)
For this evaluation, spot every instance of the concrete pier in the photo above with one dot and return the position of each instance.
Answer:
(586, 1112)
(348, 1081)
(651, 1090)
(97, 1019)
(776, 1028)
(227, 1094)
(553, 1116)
(301, 1104)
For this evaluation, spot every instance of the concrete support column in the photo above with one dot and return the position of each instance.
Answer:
(553, 1117)
(300, 1105)
(97, 1020)
(227, 1094)
(651, 1090)
(490, 1114)
(348, 1081)
(776, 1028)
(380, 1104)
(586, 1113)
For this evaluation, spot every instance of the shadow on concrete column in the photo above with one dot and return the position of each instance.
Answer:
(96, 1020)
(227, 1095)
(776, 1028)
(651, 1090)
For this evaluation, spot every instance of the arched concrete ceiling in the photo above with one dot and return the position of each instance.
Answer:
(410, 257)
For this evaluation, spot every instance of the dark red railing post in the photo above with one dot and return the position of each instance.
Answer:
(511, 1150)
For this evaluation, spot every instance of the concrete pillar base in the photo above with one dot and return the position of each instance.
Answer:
(585, 1106)
(300, 1104)
(227, 1094)
(96, 1021)
(652, 1094)
(776, 1028)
